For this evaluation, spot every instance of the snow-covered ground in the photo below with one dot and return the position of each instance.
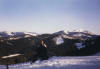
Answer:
(87, 62)
(97, 54)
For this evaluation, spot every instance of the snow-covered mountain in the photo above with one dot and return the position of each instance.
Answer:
(16, 34)
(76, 34)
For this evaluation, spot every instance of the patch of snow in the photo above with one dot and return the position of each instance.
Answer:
(59, 40)
(14, 38)
(79, 34)
(9, 56)
(67, 37)
(31, 33)
(79, 45)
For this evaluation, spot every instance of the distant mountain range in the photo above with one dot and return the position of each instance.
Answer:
(16, 34)
(75, 34)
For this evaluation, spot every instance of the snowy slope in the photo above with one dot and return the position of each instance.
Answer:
(87, 62)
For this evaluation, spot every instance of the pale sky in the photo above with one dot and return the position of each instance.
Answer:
(46, 16)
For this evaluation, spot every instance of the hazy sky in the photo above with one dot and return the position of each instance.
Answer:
(45, 16)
